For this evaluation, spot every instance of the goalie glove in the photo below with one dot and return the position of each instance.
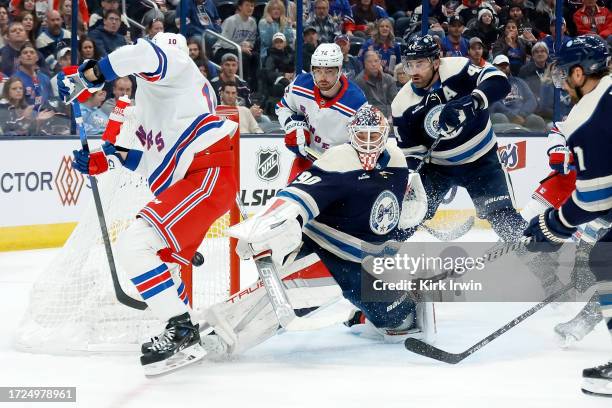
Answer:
(277, 230)
(297, 136)
(414, 205)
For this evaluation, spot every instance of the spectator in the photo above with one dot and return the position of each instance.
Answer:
(30, 24)
(202, 15)
(198, 56)
(311, 41)
(550, 40)
(9, 54)
(454, 44)
(535, 70)
(15, 113)
(273, 21)
(153, 27)
(163, 14)
(484, 29)
(364, 12)
(17, 7)
(63, 58)
(327, 28)
(437, 10)
(37, 85)
(519, 105)
(547, 98)
(469, 11)
(229, 96)
(94, 120)
(525, 30)
(122, 86)
(400, 76)
(87, 49)
(341, 12)
(513, 47)
(476, 52)
(278, 69)
(544, 12)
(4, 22)
(96, 20)
(228, 73)
(107, 36)
(378, 86)
(53, 37)
(592, 19)
(351, 65)
(384, 44)
(241, 28)
(65, 9)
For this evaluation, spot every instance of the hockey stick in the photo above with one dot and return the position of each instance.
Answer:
(427, 350)
(122, 297)
(272, 282)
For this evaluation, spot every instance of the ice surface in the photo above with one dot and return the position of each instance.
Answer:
(325, 368)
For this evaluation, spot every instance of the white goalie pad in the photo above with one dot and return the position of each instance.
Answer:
(414, 205)
(276, 229)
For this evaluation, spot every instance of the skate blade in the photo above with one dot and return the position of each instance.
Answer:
(598, 387)
(181, 359)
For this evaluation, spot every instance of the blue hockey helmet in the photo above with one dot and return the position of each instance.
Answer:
(587, 51)
(422, 46)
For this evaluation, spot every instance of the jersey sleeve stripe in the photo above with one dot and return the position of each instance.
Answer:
(302, 89)
(467, 151)
(160, 72)
(488, 73)
(303, 199)
(338, 109)
(334, 241)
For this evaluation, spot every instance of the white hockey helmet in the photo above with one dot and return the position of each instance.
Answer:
(327, 55)
(368, 132)
(164, 40)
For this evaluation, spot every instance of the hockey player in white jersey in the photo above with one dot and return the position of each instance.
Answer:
(581, 68)
(186, 155)
(317, 106)
(317, 228)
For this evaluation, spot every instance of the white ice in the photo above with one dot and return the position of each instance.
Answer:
(325, 368)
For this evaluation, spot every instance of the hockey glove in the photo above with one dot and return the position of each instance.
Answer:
(414, 205)
(561, 159)
(297, 137)
(98, 161)
(458, 112)
(547, 228)
(72, 84)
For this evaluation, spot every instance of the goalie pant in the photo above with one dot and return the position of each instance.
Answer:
(171, 227)
(312, 278)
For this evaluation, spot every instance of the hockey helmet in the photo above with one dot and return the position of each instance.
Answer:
(368, 132)
(587, 51)
(327, 55)
(422, 46)
(163, 40)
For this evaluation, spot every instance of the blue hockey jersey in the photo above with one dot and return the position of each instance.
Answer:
(416, 111)
(587, 129)
(344, 206)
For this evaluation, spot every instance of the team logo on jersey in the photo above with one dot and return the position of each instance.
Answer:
(432, 121)
(385, 213)
(268, 164)
(513, 156)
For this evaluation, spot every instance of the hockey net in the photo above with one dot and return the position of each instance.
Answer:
(73, 307)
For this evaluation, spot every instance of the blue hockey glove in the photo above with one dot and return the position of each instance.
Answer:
(547, 228)
(95, 162)
(457, 112)
(72, 84)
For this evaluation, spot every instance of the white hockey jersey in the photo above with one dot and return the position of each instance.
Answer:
(174, 103)
(327, 119)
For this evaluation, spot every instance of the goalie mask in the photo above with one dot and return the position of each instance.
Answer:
(368, 132)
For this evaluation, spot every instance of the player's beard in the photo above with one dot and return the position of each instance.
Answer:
(575, 92)
(423, 81)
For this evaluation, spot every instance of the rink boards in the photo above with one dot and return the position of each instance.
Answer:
(42, 197)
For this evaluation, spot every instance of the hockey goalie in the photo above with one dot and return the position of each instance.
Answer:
(315, 229)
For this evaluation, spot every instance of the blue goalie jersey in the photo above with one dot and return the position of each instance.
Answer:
(344, 206)
(416, 111)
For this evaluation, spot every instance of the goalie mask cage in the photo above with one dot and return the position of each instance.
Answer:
(73, 307)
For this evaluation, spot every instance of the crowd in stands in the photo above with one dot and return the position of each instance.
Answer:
(517, 36)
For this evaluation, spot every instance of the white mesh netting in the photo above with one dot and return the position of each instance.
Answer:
(72, 306)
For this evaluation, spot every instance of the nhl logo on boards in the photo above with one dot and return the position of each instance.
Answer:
(385, 213)
(268, 164)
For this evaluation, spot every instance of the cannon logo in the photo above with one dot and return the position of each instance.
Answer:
(68, 182)
(513, 156)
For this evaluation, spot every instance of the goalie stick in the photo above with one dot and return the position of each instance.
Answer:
(427, 350)
(122, 297)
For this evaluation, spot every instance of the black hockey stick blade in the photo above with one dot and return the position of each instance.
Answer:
(452, 234)
(427, 350)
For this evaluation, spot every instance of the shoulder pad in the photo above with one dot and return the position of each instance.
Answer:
(404, 99)
(451, 66)
(341, 159)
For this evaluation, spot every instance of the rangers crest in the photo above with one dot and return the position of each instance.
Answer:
(385, 213)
